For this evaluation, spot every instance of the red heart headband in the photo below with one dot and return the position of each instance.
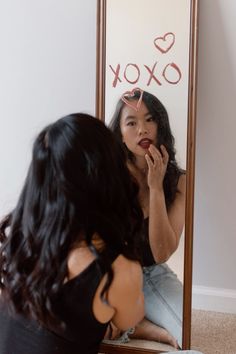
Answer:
(130, 94)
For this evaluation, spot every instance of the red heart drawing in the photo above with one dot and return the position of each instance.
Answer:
(163, 44)
(134, 104)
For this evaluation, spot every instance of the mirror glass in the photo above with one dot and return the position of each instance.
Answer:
(150, 45)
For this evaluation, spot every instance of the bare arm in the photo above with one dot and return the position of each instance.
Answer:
(125, 293)
(165, 228)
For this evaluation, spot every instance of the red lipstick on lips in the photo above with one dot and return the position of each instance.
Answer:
(145, 143)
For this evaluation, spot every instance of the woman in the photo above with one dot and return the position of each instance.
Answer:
(141, 124)
(67, 260)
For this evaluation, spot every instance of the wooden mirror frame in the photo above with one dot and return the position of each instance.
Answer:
(190, 163)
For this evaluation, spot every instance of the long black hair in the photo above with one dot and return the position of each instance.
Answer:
(164, 137)
(77, 185)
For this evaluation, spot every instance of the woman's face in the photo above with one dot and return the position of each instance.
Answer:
(138, 129)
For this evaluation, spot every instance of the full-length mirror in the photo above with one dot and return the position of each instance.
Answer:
(146, 93)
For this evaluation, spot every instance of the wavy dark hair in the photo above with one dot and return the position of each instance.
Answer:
(77, 185)
(164, 137)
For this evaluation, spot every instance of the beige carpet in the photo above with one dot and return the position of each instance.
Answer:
(213, 332)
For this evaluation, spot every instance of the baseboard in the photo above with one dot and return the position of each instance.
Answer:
(214, 299)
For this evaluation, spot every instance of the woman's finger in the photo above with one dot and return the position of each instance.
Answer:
(155, 153)
(164, 154)
(149, 161)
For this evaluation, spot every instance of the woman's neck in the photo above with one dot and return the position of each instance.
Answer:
(141, 164)
(139, 170)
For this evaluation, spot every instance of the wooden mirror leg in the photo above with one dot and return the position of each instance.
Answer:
(188, 252)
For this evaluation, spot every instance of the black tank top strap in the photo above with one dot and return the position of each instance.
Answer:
(104, 258)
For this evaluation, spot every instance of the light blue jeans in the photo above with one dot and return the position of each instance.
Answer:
(163, 294)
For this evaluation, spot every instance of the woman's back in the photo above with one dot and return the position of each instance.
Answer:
(80, 306)
(74, 306)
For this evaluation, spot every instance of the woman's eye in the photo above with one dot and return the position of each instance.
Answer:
(150, 119)
(131, 124)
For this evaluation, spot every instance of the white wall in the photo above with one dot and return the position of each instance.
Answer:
(215, 196)
(47, 69)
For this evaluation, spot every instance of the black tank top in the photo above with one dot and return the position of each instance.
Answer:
(145, 249)
(83, 333)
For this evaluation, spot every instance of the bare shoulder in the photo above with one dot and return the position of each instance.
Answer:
(127, 277)
(78, 259)
(81, 256)
(126, 268)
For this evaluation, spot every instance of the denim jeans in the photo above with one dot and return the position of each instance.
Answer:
(163, 294)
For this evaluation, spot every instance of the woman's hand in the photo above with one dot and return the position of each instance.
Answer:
(157, 164)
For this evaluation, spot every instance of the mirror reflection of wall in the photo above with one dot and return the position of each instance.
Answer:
(150, 50)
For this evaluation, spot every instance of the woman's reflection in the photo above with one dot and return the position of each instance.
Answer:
(141, 124)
